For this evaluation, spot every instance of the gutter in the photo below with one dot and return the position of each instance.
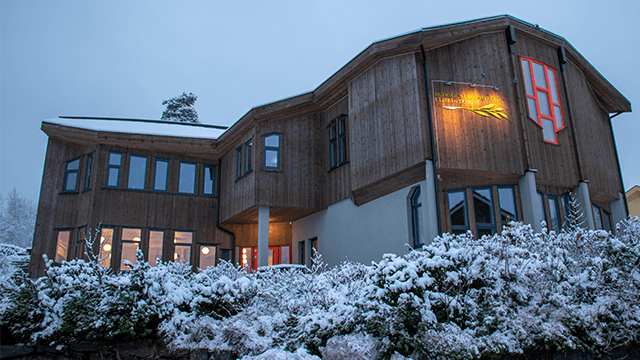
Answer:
(233, 236)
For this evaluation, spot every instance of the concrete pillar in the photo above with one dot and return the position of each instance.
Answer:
(584, 205)
(429, 205)
(618, 210)
(263, 236)
(531, 211)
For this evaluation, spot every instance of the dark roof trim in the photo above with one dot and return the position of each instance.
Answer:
(220, 127)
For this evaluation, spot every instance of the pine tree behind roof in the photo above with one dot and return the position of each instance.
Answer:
(181, 109)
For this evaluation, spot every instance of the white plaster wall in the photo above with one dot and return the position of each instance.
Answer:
(359, 233)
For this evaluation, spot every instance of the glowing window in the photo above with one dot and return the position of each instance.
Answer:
(156, 241)
(207, 256)
(62, 246)
(129, 245)
(542, 98)
(182, 243)
(106, 244)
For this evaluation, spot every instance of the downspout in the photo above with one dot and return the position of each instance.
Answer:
(615, 147)
(433, 146)
(233, 236)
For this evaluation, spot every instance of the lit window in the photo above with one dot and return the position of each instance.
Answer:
(272, 152)
(113, 172)
(187, 182)
(416, 215)
(161, 175)
(247, 156)
(542, 98)
(156, 242)
(71, 175)
(129, 244)
(554, 212)
(182, 243)
(62, 245)
(239, 163)
(507, 199)
(87, 172)
(483, 210)
(458, 211)
(106, 246)
(208, 180)
(137, 172)
(207, 256)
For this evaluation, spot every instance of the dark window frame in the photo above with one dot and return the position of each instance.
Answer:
(557, 208)
(333, 145)
(190, 245)
(272, 148)
(217, 254)
(68, 171)
(144, 180)
(597, 224)
(416, 204)
(113, 228)
(80, 240)
(195, 177)
(606, 221)
(213, 180)
(515, 203)
(485, 226)
(543, 203)
(155, 174)
(247, 156)
(238, 162)
(465, 210)
(87, 172)
(113, 166)
(342, 140)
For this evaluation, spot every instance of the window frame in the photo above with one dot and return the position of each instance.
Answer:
(113, 166)
(110, 242)
(216, 248)
(66, 249)
(515, 203)
(465, 210)
(177, 244)
(148, 246)
(144, 180)
(333, 145)
(87, 172)
(247, 156)
(597, 210)
(195, 177)
(68, 171)
(155, 174)
(277, 149)
(557, 209)
(342, 140)
(127, 241)
(80, 242)
(548, 91)
(415, 203)
(213, 180)
(485, 226)
(238, 162)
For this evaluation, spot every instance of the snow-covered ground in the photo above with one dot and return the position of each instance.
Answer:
(457, 298)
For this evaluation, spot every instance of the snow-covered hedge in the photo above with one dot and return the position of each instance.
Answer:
(458, 297)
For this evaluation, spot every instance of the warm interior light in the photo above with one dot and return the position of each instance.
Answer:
(205, 250)
(175, 256)
(137, 238)
(102, 238)
(244, 251)
(107, 247)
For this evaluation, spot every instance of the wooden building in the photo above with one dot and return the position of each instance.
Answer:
(453, 128)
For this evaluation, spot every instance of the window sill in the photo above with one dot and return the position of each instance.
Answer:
(273, 170)
(337, 167)
(68, 192)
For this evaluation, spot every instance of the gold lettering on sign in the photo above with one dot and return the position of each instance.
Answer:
(483, 105)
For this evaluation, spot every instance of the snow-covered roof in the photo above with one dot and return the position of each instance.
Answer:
(137, 126)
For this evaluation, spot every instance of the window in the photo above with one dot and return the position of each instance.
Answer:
(458, 211)
(249, 257)
(129, 244)
(313, 247)
(113, 171)
(239, 163)
(156, 241)
(272, 152)
(182, 242)
(247, 156)
(507, 200)
(161, 176)
(71, 176)
(542, 98)
(606, 219)
(87, 172)
(187, 182)
(554, 212)
(543, 212)
(342, 140)
(301, 253)
(207, 255)
(106, 244)
(337, 142)
(62, 245)
(284, 254)
(80, 243)
(566, 205)
(208, 180)
(416, 216)
(333, 146)
(137, 172)
(225, 254)
(483, 210)
(597, 217)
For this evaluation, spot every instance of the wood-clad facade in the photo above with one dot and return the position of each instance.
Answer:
(453, 128)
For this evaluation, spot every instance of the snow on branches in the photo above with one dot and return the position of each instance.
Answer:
(181, 109)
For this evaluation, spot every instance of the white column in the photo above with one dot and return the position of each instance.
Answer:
(618, 210)
(263, 236)
(429, 206)
(531, 211)
(584, 205)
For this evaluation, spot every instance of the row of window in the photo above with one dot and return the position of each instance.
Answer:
(138, 175)
(131, 239)
(271, 155)
(483, 209)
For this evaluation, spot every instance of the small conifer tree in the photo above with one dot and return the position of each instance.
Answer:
(181, 109)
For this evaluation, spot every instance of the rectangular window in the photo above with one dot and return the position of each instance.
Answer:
(207, 256)
(129, 244)
(225, 254)
(416, 216)
(458, 211)
(597, 217)
(106, 246)
(182, 242)
(87, 172)
(80, 243)
(62, 245)
(543, 212)
(272, 152)
(113, 171)
(137, 172)
(342, 140)
(238, 163)
(554, 212)
(208, 180)
(542, 98)
(187, 182)
(161, 175)
(566, 205)
(333, 146)
(606, 219)
(507, 200)
(247, 156)
(301, 253)
(483, 210)
(71, 176)
(156, 242)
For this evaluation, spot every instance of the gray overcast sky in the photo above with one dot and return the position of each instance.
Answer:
(122, 58)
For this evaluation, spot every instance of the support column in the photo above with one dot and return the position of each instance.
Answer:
(263, 236)
(531, 211)
(429, 205)
(584, 205)
(618, 210)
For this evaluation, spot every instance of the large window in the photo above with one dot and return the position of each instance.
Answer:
(187, 182)
(87, 172)
(416, 216)
(161, 176)
(129, 244)
(458, 211)
(542, 98)
(208, 180)
(113, 171)
(483, 210)
(156, 242)
(182, 244)
(272, 152)
(137, 172)
(207, 256)
(554, 213)
(106, 246)
(507, 200)
(71, 176)
(62, 245)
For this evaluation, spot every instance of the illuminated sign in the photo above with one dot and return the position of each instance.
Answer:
(482, 100)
